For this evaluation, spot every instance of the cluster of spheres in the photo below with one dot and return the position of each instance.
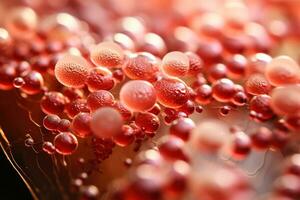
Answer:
(195, 91)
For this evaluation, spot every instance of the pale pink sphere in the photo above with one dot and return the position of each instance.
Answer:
(72, 71)
(282, 70)
(106, 122)
(175, 64)
(285, 100)
(138, 95)
(107, 54)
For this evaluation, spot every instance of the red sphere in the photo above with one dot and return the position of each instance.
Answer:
(51, 122)
(76, 106)
(182, 128)
(65, 143)
(141, 66)
(99, 99)
(33, 83)
(223, 90)
(100, 79)
(261, 105)
(171, 92)
(148, 122)
(53, 103)
(81, 125)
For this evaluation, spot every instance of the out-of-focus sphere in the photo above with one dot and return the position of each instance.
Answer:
(106, 122)
(138, 95)
(285, 100)
(72, 71)
(60, 26)
(21, 22)
(107, 54)
(282, 70)
(175, 64)
(209, 135)
(5, 38)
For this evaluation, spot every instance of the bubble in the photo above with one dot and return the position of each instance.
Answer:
(282, 70)
(223, 90)
(107, 54)
(285, 100)
(171, 92)
(257, 84)
(34, 82)
(182, 128)
(72, 71)
(100, 78)
(53, 103)
(141, 66)
(138, 95)
(99, 99)
(106, 122)
(65, 143)
(176, 64)
(81, 125)
(51, 122)
(148, 122)
(22, 22)
(209, 135)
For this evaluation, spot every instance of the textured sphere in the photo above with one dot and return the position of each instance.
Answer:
(107, 54)
(138, 95)
(282, 70)
(257, 84)
(72, 71)
(171, 92)
(176, 64)
(99, 99)
(106, 122)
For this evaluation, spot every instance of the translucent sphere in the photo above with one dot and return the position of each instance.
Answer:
(106, 122)
(138, 95)
(282, 70)
(65, 143)
(285, 100)
(175, 64)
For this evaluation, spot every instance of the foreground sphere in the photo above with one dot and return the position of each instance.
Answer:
(72, 71)
(138, 95)
(106, 122)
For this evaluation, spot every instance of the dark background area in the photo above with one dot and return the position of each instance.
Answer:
(11, 185)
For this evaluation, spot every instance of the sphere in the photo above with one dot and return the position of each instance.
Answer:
(53, 103)
(282, 70)
(209, 135)
(148, 122)
(285, 100)
(106, 122)
(100, 78)
(141, 66)
(223, 90)
(171, 92)
(65, 143)
(99, 99)
(51, 122)
(182, 128)
(175, 64)
(138, 95)
(257, 84)
(72, 71)
(81, 125)
(33, 83)
(107, 54)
